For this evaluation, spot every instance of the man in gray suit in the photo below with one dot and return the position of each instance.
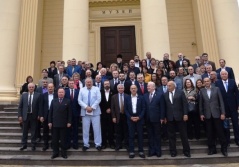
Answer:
(212, 111)
(192, 76)
(28, 112)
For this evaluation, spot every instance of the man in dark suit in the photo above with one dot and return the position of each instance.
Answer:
(230, 97)
(44, 110)
(119, 117)
(73, 131)
(121, 81)
(131, 81)
(28, 112)
(212, 111)
(59, 119)
(177, 115)
(134, 110)
(179, 62)
(73, 68)
(222, 63)
(196, 64)
(98, 82)
(206, 62)
(57, 77)
(141, 85)
(155, 114)
(133, 68)
(115, 80)
(207, 72)
(107, 125)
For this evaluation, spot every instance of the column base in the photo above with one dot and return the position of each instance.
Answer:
(8, 96)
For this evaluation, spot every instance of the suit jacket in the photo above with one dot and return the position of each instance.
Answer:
(212, 64)
(115, 107)
(196, 77)
(140, 108)
(179, 108)
(213, 106)
(23, 105)
(101, 85)
(154, 110)
(49, 80)
(112, 85)
(75, 107)
(178, 63)
(104, 104)
(56, 80)
(76, 69)
(229, 70)
(139, 91)
(39, 90)
(128, 83)
(60, 113)
(44, 107)
(135, 70)
(51, 73)
(205, 75)
(94, 100)
(195, 66)
(231, 97)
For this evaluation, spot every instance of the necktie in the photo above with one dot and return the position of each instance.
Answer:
(226, 86)
(30, 104)
(98, 85)
(150, 97)
(142, 88)
(72, 94)
(89, 98)
(60, 100)
(121, 104)
(73, 68)
(172, 96)
(164, 89)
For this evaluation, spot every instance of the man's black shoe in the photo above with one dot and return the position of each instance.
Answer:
(23, 148)
(98, 148)
(38, 140)
(187, 154)
(211, 152)
(45, 148)
(225, 153)
(173, 154)
(84, 148)
(158, 154)
(33, 148)
(64, 156)
(141, 155)
(112, 146)
(54, 156)
(103, 147)
(118, 148)
(131, 155)
(75, 147)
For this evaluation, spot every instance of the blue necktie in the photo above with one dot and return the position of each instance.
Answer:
(89, 98)
(226, 86)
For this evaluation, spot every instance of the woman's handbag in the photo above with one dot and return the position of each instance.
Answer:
(191, 106)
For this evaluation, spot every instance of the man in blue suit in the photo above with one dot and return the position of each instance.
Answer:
(134, 110)
(73, 68)
(230, 97)
(73, 131)
(155, 115)
(222, 63)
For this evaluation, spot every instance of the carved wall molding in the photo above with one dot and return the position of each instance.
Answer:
(100, 3)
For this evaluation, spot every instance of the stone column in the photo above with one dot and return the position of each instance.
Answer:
(226, 18)
(76, 30)
(155, 27)
(29, 44)
(9, 28)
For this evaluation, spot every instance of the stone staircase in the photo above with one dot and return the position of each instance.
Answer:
(10, 138)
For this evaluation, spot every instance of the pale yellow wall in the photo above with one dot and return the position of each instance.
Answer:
(181, 28)
(52, 31)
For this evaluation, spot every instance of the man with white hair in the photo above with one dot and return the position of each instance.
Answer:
(230, 97)
(155, 115)
(89, 99)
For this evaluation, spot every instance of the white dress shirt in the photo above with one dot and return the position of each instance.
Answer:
(208, 92)
(224, 83)
(50, 98)
(171, 95)
(134, 103)
(107, 93)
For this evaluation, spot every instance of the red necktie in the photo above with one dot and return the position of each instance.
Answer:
(72, 96)
(142, 88)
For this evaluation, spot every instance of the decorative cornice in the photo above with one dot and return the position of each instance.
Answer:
(100, 3)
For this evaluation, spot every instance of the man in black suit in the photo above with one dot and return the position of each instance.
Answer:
(73, 131)
(115, 80)
(121, 81)
(98, 82)
(57, 77)
(44, 110)
(119, 117)
(166, 61)
(107, 125)
(134, 110)
(155, 115)
(28, 113)
(212, 111)
(206, 62)
(131, 81)
(133, 68)
(197, 63)
(141, 85)
(59, 119)
(230, 95)
(223, 66)
(179, 62)
(177, 115)
(207, 72)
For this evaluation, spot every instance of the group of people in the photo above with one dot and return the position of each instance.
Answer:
(117, 102)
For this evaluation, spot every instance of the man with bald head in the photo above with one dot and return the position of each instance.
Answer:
(177, 115)
(155, 115)
(230, 95)
(133, 68)
(28, 113)
(44, 110)
(207, 72)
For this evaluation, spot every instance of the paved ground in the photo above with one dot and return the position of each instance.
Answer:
(196, 165)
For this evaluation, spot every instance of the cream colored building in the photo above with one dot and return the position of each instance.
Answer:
(34, 32)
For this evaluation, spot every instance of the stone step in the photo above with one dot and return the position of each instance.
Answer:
(11, 109)
(9, 124)
(6, 113)
(116, 160)
(195, 149)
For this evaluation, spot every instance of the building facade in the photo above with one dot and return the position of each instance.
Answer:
(35, 32)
